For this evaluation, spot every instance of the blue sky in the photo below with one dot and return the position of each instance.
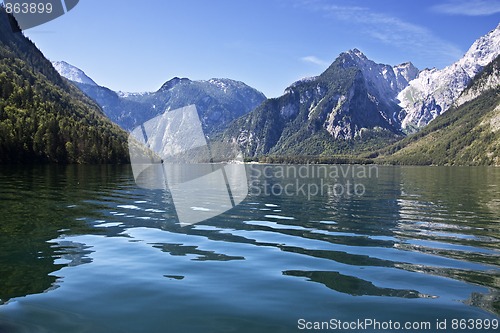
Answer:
(138, 45)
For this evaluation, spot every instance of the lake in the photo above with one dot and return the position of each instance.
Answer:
(351, 248)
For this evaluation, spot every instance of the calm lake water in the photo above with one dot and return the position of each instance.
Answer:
(84, 249)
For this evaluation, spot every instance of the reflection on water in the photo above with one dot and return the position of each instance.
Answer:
(33, 220)
(82, 248)
(182, 250)
(352, 285)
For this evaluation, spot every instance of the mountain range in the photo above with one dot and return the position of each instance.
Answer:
(355, 108)
(219, 101)
(350, 105)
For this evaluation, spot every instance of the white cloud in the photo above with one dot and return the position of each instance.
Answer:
(469, 7)
(314, 60)
(390, 30)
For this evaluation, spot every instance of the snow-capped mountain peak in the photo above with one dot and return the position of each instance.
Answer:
(357, 53)
(482, 52)
(72, 73)
(406, 71)
(388, 80)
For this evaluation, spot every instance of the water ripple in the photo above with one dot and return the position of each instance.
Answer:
(89, 240)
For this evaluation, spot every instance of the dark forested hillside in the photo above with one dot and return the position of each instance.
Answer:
(44, 118)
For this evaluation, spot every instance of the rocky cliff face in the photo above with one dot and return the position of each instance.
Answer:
(353, 100)
(467, 134)
(488, 80)
(434, 91)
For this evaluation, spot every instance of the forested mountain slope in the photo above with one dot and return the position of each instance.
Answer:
(44, 118)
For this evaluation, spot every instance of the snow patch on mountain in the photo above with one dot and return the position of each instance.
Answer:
(220, 83)
(72, 73)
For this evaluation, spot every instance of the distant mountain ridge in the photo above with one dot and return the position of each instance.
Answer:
(72, 73)
(219, 101)
(354, 108)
